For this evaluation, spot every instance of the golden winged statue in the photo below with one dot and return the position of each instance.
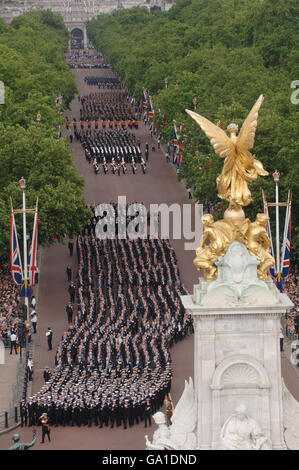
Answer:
(240, 166)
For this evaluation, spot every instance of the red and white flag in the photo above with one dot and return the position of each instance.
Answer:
(15, 255)
(32, 264)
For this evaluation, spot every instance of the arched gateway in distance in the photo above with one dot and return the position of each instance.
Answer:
(77, 12)
(77, 38)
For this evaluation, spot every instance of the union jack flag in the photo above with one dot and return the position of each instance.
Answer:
(179, 160)
(286, 249)
(15, 255)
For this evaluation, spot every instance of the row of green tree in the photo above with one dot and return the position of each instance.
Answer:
(225, 54)
(34, 73)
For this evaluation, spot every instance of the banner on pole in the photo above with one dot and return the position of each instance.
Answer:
(15, 255)
(32, 265)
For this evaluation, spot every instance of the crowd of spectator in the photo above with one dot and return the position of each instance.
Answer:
(8, 305)
(291, 288)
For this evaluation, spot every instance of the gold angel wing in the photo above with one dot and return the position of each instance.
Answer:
(247, 132)
(218, 138)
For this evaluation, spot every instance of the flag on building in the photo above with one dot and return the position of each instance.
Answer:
(32, 264)
(15, 255)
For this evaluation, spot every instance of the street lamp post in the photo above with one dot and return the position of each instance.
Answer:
(166, 82)
(276, 176)
(194, 101)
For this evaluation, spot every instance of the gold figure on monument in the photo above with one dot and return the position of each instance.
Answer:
(258, 244)
(220, 235)
(240, 167)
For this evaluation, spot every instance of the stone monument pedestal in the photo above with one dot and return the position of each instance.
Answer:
(237, 324)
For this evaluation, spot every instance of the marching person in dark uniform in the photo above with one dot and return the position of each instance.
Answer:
(31, 412)
(147, 413)
(126, 413)
(69, 311)
(47, 374)
(23, 413)
(69, 273)
(71, 247)
(72, 291)
(45, 427)
(49, 336)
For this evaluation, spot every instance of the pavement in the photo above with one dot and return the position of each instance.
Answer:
(158, 185)
(8, 373)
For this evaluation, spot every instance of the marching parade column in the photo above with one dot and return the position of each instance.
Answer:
(237, 354)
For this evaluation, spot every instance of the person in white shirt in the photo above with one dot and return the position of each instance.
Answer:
(30, 368)
(49, 336)
(13, 342)
(34, 321)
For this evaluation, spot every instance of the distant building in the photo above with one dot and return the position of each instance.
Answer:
(76, 12)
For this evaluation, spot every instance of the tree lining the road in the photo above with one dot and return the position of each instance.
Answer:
(34, 72)
(224, 53)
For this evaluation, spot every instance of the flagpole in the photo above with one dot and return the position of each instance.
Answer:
(276, 180)
(25, 277)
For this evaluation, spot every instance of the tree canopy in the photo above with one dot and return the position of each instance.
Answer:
(34, 73)
(225, 54)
